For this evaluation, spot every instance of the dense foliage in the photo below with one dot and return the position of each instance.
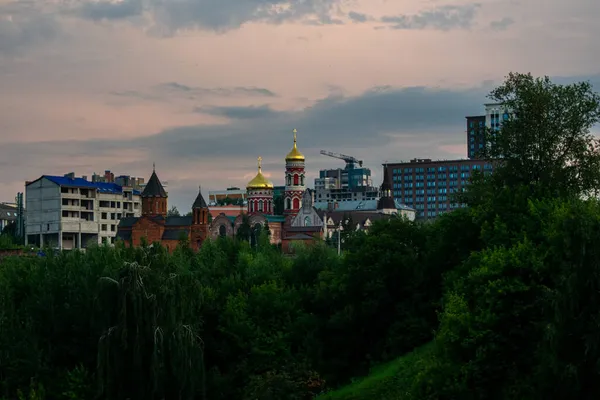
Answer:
(500, 299)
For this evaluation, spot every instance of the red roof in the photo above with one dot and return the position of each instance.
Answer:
(230, 211)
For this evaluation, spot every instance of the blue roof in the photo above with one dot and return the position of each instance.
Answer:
(102, 187)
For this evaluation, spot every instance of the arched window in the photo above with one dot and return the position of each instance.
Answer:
(307, 221)
(251, 206)
(302, 180)
(222, 231)
(295, 179)
(289, 180)
(296, 204)
(260, 205)
(288, 204)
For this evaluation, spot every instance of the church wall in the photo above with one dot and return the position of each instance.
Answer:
(170, 245)
(215, 226)
(144, 227)
(275, 228)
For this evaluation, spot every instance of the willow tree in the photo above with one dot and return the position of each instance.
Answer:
(150, 348)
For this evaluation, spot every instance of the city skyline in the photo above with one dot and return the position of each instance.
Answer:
(202, 88)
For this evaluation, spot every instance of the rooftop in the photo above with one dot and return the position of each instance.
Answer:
(101, 187)
(358, 205)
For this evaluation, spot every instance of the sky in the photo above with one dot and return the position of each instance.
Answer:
(202, 88)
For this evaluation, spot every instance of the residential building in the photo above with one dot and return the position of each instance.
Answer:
(69, 212)
(428, 186)
(352, 183)
(8, 214)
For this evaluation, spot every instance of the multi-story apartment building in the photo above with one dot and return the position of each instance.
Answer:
(69, 212)
(8, 214)
(348, 184)
(427, 185)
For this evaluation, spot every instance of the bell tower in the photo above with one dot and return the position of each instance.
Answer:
(200, 225)
(154, 197)
(294, 180)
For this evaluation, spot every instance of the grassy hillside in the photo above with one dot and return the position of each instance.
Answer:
(390, 381)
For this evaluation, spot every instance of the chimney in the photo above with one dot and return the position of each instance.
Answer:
(70, 175)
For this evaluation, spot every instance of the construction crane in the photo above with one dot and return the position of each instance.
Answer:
(350, 161)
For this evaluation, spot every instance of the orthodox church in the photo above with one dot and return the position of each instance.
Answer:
(300, 221)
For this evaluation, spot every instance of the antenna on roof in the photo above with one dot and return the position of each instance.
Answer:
(153, 167)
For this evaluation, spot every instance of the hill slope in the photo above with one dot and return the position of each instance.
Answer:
(390, 381)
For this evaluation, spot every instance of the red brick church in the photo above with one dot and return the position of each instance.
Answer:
(155, 226)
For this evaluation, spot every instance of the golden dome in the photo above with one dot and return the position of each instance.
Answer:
(259, 181)
(294, 155)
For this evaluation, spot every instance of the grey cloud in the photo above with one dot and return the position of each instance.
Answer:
(502, 24)
(169, 90)
(219, 15)
(357, 17)
(218, 91)
(23, 26)
(423, 119)
(104, 10)
(251, 112)
(440, 18)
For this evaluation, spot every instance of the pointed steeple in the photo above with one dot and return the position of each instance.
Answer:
(386, 200)
(199, 202)
(154, 188)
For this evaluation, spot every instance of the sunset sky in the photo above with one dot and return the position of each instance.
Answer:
(204, 87)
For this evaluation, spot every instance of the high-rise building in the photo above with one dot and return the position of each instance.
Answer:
(475, 135)
(495, 114)
(428, 185)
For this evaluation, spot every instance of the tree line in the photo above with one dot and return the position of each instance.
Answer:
(503, 292)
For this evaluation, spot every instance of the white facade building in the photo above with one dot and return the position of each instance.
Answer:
(68, 212)
(495, 114)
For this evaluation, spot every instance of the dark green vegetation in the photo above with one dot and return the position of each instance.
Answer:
(499, 300)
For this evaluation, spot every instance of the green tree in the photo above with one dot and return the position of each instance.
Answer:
(278, 205)
(244, 231)
(545, 143)
(173, 212)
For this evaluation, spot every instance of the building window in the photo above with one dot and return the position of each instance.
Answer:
(289, 180)
(222, 231)
(306, 221)
(296, 204)
(260, 205)
(288, 204)
(295, 179)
